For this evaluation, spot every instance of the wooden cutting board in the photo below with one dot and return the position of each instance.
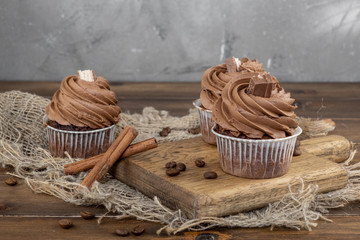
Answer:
(199, 197)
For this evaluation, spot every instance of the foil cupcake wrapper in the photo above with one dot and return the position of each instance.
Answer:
(258, 159)
(79, 144)
(206, 123)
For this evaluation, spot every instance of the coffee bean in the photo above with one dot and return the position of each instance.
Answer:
(181, 167)
(87, 215)
(165, 132)
(138, 230)
(41, 169)
(170, 164)
(122, 232)
(199, 163)
(171, 172)
(65, 223)
(194, 130)
(210, 175)
(11, 181)
(207, 236)
(3, 207)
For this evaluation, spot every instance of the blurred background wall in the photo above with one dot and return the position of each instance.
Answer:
(164, 40)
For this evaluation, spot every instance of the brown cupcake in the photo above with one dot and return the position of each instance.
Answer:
(213, 81)
(81, 117)
(255, 127)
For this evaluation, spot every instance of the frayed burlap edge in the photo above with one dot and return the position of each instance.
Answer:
(314, 127)
(23, 146)
(298, 209)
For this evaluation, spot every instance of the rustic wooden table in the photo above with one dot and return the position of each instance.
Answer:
(35, 216)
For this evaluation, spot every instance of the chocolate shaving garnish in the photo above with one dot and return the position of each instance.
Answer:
(251, 66)
(261, 85)
(231, 65)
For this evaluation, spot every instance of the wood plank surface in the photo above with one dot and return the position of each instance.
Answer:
(199, 197)
(342, 228)
(20, 200)
(316, 100)
(333, 147)
(21, 222)
(172, 90)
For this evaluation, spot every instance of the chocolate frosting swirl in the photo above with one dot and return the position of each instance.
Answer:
(84, 104)
(215, 78)
(255, 117)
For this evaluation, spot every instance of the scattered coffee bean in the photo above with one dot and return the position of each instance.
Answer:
(210, 175)
(194, 130)
(181, 167)
(171, 172)
(207, 236)
(3, 207)
(11, 181)
(164, 132)
(87, 215)
(122, 232)
(41, 169)
(65, 223)
(170, 164)
(138, 230)
(297, 150)
(199, 163)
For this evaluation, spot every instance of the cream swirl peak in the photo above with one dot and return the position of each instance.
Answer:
(242, 114)
(84, 103)
(215, 78)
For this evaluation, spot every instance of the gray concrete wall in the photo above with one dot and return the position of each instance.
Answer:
(158, 40)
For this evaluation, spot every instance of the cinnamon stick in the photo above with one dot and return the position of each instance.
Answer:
(116, 149)
(88, 163)
(82, 165)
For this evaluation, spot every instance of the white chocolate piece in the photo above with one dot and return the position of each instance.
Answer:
(87, 75)
(238, 63)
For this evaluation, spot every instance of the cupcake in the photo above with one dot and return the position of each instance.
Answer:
(213, 81)
(255, 127)
(81, 116)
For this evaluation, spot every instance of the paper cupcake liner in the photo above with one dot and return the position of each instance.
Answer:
(260, 159)
(79, 144)
(206, 123)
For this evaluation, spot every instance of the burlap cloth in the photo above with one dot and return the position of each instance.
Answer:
(23, 145)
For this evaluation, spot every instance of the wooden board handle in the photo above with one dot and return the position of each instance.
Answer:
(333, 147)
